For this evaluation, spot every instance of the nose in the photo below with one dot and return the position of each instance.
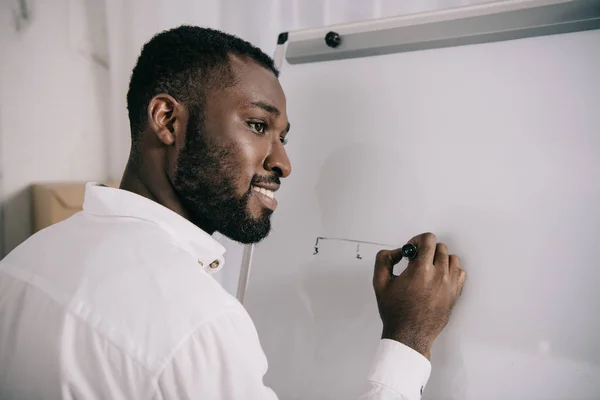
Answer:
(277, 161)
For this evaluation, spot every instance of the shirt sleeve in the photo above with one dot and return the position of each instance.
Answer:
(398, 373)
(223, 359)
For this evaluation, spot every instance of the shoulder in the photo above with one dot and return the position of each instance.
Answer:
(129, 281)
(152, 299)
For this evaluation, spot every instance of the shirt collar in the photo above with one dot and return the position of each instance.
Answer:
(107, 201)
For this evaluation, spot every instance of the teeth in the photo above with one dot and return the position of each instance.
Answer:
(264, 191)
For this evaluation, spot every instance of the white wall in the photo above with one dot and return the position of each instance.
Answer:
(52, 118)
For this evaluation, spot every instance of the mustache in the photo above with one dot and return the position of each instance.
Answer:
(265, 179)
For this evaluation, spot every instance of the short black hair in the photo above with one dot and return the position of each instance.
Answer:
(183, 62)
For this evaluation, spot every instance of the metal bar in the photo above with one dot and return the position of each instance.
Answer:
(500, 21)
(2, 196)
(244, 272)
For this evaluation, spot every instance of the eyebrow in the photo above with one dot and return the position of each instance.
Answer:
(270, 109)
(267, 107)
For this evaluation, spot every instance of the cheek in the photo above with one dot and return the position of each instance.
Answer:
(249, 159)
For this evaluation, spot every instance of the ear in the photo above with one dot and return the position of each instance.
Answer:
(164, 117)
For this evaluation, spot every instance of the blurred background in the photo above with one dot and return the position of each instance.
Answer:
(64, 72)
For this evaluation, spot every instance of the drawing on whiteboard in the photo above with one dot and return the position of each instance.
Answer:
(358, 242)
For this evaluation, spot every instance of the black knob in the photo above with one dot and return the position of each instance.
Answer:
(333, 39)
(409, 251)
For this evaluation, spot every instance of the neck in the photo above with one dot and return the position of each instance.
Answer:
(152, 183)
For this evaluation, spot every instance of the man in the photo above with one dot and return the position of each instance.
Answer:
(117, 302)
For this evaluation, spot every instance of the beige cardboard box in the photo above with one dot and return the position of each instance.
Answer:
(55, 202)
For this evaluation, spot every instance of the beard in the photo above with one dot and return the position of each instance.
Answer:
(205, 180)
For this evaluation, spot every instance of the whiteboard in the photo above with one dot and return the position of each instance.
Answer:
(495, 147)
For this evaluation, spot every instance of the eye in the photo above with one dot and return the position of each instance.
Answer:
(258, 127)
(283, 140)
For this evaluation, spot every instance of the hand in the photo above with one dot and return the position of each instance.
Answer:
(416, 305)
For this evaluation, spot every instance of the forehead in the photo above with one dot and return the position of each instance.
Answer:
(254, 83)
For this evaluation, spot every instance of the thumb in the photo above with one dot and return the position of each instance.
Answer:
(384, 267)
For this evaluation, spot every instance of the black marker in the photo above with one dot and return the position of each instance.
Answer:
(409, 251)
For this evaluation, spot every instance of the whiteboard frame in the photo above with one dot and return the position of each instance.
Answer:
(2, 195)
(244, 272)
(491, 22)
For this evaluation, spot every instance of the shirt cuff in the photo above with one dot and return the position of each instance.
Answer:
(400, 368)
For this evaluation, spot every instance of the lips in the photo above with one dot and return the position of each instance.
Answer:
(266, 196)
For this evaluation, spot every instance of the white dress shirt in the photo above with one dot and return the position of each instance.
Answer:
(118, 302)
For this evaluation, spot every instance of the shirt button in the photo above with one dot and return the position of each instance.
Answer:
(214, 264)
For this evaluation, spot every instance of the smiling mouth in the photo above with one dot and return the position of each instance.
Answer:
(266, 197)
(269, 193)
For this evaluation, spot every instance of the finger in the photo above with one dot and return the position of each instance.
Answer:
(441, 258)
(462, 278)
(426, 243)
(384, 267)
(454, 263)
